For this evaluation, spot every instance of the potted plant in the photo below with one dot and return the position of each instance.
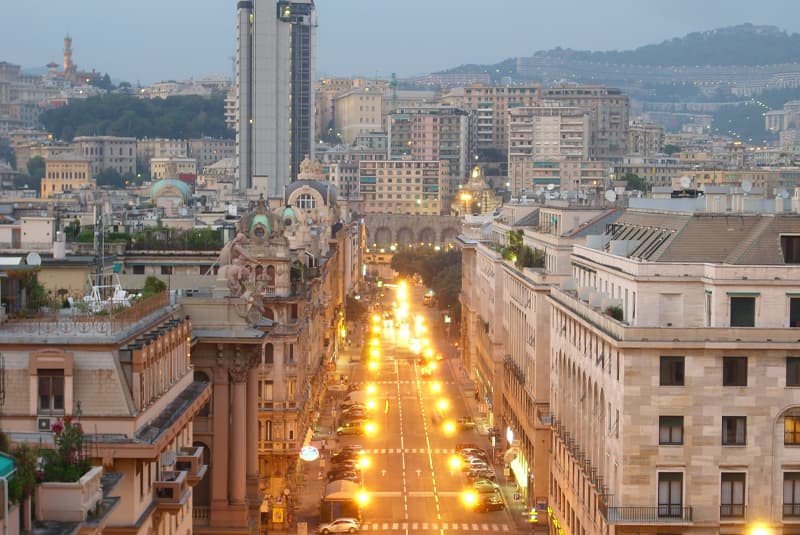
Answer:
(71, 485)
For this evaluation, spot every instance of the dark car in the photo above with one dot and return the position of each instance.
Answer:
(349, 464)
(338, 475)
(344, 455)
(491, 503)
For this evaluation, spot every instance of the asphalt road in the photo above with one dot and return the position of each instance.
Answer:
(410, 484)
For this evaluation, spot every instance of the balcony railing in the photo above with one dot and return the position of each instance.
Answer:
(731, 511)
(660, 514)
(170, 490)
(190, 460)
(791, 510)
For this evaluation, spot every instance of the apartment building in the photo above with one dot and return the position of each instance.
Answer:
(544, 133)
(609, 110)
(149, 148)
(490, 104)
(358, 112)
(506, 328)
(432, 133)
(673, 361)
(161, 168)
(208, 150)
(107, 152)
(645, 139)
(405, 186)
(125, 377)
(67, 172)
(655, 170)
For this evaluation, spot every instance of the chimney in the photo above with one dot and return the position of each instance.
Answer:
(59, 247)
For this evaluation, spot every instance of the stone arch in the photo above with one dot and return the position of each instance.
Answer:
(448, 236)
(382, 237)
(405, 237)
(427, 236)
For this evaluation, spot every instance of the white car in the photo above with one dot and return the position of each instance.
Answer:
(340, 525)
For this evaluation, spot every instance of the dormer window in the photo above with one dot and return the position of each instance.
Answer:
(306, 202)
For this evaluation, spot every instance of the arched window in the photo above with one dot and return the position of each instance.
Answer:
(259, 272)
(271, 275)
(306, 202)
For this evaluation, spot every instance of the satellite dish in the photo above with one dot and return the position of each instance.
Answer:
(33, 259)
(611, 195)
(686, 182)
(551, 187)
(747, 186)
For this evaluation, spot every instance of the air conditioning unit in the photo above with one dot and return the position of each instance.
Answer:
(44, 424)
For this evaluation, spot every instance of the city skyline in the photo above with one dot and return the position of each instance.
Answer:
(420, 37)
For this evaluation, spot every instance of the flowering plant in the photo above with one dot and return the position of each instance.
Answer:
(67, 462)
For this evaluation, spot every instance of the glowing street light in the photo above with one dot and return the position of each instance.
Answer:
(470, 498)
(449, 427)
(455, 462)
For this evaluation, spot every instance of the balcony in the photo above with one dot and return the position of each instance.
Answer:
(190, 460)
(661, 514)
(171, 491)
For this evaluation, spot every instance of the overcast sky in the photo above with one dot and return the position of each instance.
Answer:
(151, 40)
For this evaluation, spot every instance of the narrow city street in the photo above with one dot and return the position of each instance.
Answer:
(409, 483)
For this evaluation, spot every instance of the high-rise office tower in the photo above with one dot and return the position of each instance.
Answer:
(276, 52)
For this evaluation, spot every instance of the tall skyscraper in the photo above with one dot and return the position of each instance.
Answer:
(276, 53)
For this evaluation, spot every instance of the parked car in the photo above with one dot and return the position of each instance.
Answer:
(478, 474)
(344, 455)
(352, 429)
(349, 464)
(349, 404)
(461, 446)
(357, 448)
(484, 486)
(340, 525)
(465, 423)
(491, 503)
(473, 463)
(348, 475)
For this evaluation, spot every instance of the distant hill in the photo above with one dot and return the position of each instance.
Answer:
(745, 45)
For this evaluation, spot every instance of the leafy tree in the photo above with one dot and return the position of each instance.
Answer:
(153, 286)
(670, 149)
(72, 230)
(36, 167)
(354, 310)
(110, 177)
(634, 182)
(25, 181)
(121, 114)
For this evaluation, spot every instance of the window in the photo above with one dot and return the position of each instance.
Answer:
(670, 494)
(138, 270)
(670, 430)
(743, 311)
(791, 430)
(166, 270)
(792, 371)
(306, 202)
(734, 430)
(51, 391)
(731, 502)
(672, 371)
(794, 312)
(734, 371)
(791, 494)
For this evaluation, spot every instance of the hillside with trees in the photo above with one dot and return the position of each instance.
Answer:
(179, 117)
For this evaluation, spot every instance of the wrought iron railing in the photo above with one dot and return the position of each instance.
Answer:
(660, 514)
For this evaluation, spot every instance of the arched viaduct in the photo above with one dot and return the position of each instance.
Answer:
(403, 230)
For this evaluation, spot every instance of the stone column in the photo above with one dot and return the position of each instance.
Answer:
(252, 427)
(238, 435)
(219, 447)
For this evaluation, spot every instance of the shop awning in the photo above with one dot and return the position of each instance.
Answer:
(341, 490)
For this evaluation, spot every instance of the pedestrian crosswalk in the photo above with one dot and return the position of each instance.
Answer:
(435, 526)
(408, 451)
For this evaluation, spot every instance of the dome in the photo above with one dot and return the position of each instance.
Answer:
(261, 220)
(170, 185)
(289, 216)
